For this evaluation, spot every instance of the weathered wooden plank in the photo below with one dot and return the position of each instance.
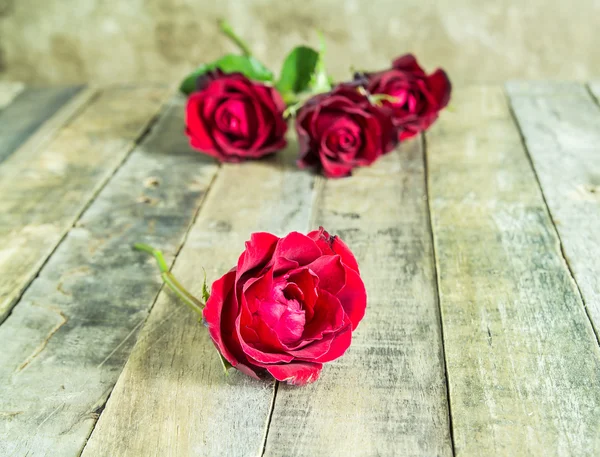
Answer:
(67, 340)
(522, 360)
(27, 112)
(387, 395)
(8, 91)
(172, 398)
(50, 128)
(561, 130)
(44, 191)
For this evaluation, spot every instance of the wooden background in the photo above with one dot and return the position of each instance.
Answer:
(478, 243)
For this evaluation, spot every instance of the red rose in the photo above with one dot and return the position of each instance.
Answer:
(233, 118)
(419, 97)
(341, 130)
(289, 306)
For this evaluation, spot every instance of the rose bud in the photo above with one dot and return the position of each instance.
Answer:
(233, 118)
(343, 129)
(289, 306)
(415, 98)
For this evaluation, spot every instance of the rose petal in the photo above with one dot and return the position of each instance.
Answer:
(353, 297)
(313, 349)
(332, 169)
(258, 252)
(339, 345)
(330, 245)
(196, 129)
(265, 338)
(440, 86)
(293, 250)
(331, 273)
(307, 282)
(329, 316)
(257, 290)
(222, 292)
(297, 373)
(408, 62)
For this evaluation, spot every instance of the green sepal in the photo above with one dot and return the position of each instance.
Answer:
(230, 63)
(226, 365)
(205, 292)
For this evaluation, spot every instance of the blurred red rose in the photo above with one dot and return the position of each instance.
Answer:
(233, 118)
(419, 97)
(341, 130)
(289, 306)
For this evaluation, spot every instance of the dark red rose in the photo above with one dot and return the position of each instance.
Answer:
(233, 118)
(289, 306)
(341, 130)
(419, 97)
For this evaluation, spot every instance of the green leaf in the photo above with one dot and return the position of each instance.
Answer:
(297, 71)
(226, 365)
(230, 63)
(189, 83)
(205, 292)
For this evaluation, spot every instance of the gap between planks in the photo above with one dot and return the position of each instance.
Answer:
(437, 290)
(561, 247)
(318, 185)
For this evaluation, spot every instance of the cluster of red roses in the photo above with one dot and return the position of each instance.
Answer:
(291, 303)
(233, 118)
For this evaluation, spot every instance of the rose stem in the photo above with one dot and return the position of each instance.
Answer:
(196, 305)
(228, 31)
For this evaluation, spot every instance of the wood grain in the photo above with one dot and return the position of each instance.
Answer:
(561, 129)
(8, 91)
(522, 360)
(27, 112)
(65, 343)
(387, 395)
(173, 399)
(44, 191)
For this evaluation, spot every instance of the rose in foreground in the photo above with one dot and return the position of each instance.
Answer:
(417, 97)
(343, 129)
(233, 118)
(289, 306)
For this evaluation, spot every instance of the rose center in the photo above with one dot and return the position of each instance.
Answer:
(406, 99)
(287, 316)
(340, 142)
(230, 118)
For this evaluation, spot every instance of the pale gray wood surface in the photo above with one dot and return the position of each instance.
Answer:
(561, 129)
(45, 190)
(522, 359)
(65, 343)
(8, 91)
(173, 398)
(27, 112)
(387, 395)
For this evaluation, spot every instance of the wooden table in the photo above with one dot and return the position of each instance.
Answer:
(479, 244)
